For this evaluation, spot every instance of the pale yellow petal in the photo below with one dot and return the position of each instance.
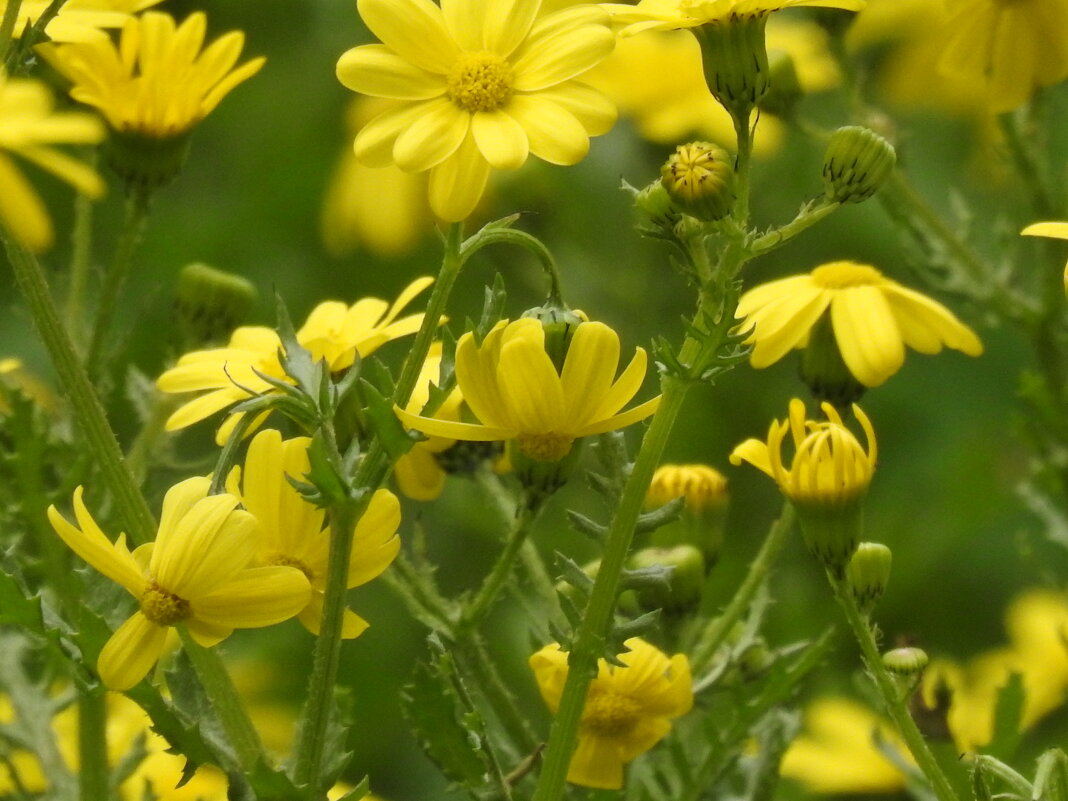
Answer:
(621, 420)
(506, 24)
(374, 143)
(207, 634)
(130, 653)
(476, 375)
(589, 370)
(756, 453)
(378, 71)
(596, 763)
(530, 387)
(594, 111)
(625, 387)
(926, 324)
(468, 432)
(414, 29)
(867, 334)
(500, 139)
(457, 184)
(255, 597)
(550, 671)
(21, 210)
(1056, 230)
(418, 475)
(433, 137)
(375, 542)
(553, 133)
(558, 56)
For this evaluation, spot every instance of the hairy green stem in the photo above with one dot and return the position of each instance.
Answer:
(81, 251)
(7, 26)
(888, 689)
(480, 664)
(809, 216)
(719, 628)
(93, 774)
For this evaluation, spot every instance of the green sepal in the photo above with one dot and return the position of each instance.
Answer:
(980, 787)
(992, 766)
(1051, 777)
(386, 425)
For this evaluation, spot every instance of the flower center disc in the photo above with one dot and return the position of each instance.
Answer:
(610, 714)
(163, 608)
(846, 274)
(545, 447)
(480, 82)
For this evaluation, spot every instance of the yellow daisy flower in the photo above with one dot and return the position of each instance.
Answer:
(197, 573)
(628, 709)
(159, 81)
(1054, 230)
(333, 331)
(77, 20)
(1008, 48)
(418, 474)
(873, 319)
(664, 15)
(28, 128)
(292, 530)
(477, 85)
(515, 390)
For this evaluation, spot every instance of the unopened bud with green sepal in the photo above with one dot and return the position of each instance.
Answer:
(868, 573)
(699, 179)
(734, 56)
(856, 164)
(682, 591)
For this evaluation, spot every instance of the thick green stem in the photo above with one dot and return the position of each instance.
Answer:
(888, 689)
(744, 134)
(81, 250)
(718, 629)
(93, 774)
(115, 279)
(137, 518)
(7, 26)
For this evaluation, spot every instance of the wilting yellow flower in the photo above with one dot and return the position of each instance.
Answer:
(1010, 49)
(197, 573)
(1055, 230)
(418, 474)
(292, 530)
(515, 390)
(157, 82)
(28, 128)
(873, 319)
(333, 331)
(77, 20)
(478, 85)
(663, 15)
(628, 709)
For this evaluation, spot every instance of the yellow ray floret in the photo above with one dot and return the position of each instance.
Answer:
(512, 386)
(663, 15)
(198, 573)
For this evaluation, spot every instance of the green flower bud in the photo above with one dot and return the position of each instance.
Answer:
(210, 303)
(685, 583)
(785, 89)
(856, 163)
(735, 60)
(824, 371)
(868, 573)
(906, 665)
(146, 163)
(654, 204)
(699, 179)
(559, 323)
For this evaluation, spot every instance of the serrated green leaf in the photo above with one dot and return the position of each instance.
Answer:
(586, 526)
(387, 426)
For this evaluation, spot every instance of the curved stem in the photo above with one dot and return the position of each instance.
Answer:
(228, 454)
(888, 689)
(510, 236)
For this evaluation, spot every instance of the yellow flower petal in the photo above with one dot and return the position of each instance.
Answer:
(594, 111)
(867, 335)
(378, 71)
(21, 210)
(530, 385)
(375, 542)
(621, 420)
(589, 371)
(1057, 230)
(207, 634)
(418, 474)
(625, 387)
(468, 432)
(756, 453)
(553, 133)
(500, 139)
(596, 763)
(255, 597)
(414, 29)
(374, 143)
(432, 138)
(457, 184)
(130, 653)
(549, 60)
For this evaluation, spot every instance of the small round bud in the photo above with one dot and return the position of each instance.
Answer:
(699, 179)
(211, 303)
(856, 163)
(824, 371)
(784, 90)
(701, 522)
(905, 662)
(654, 204)
(146, 163)
(868, 573)
(559, 323)
(684, 586)
(735, 60)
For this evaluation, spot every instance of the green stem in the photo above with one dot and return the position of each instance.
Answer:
(1035, 176)
(93, 774)
(115, 279)
(744, 134)
(483, 668)
(809, 216)
(81, 250)
(7, 26)
(137, 519)
(718, 629)
(490, 236)
(228, 454)
(888, 689)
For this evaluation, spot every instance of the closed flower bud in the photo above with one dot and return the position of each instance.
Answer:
(906, 662)
(654, 204)
(701, 521)
(559, 323)
(210, 303)
(685, 583)
(735, 60)
(785, 89)
(856, 163)
(699, 178)
(868, 573)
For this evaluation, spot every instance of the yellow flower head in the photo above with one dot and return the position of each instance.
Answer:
(291, 529)
(516, 392)
(478, 84)
(664, 15)
(628, 709)
(333, 331)
(197, 573)
(1008, 48)
(28, 128)
(1054, 230)
(77, 20)
(873, 319)
(418, 474)
(158, 82)
(701, 485)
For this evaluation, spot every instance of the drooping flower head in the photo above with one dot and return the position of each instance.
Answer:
(333, 331)
(1054, 230)
(517, 393)
(628, 709)
(478, 84)
(29, 127)
(867, 317)
(827, 479)
(197, 573)
(292, 531)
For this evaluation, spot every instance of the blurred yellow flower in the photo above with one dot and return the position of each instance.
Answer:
(159, 81)
(29, 126)
(291, 530)
(873, 319)
(662, 15)
(478, 86)
(197, 573)
(628, 709)
(1010, 49)
(333, 331)
(700, 485)
(77, 20)
(515, 390)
